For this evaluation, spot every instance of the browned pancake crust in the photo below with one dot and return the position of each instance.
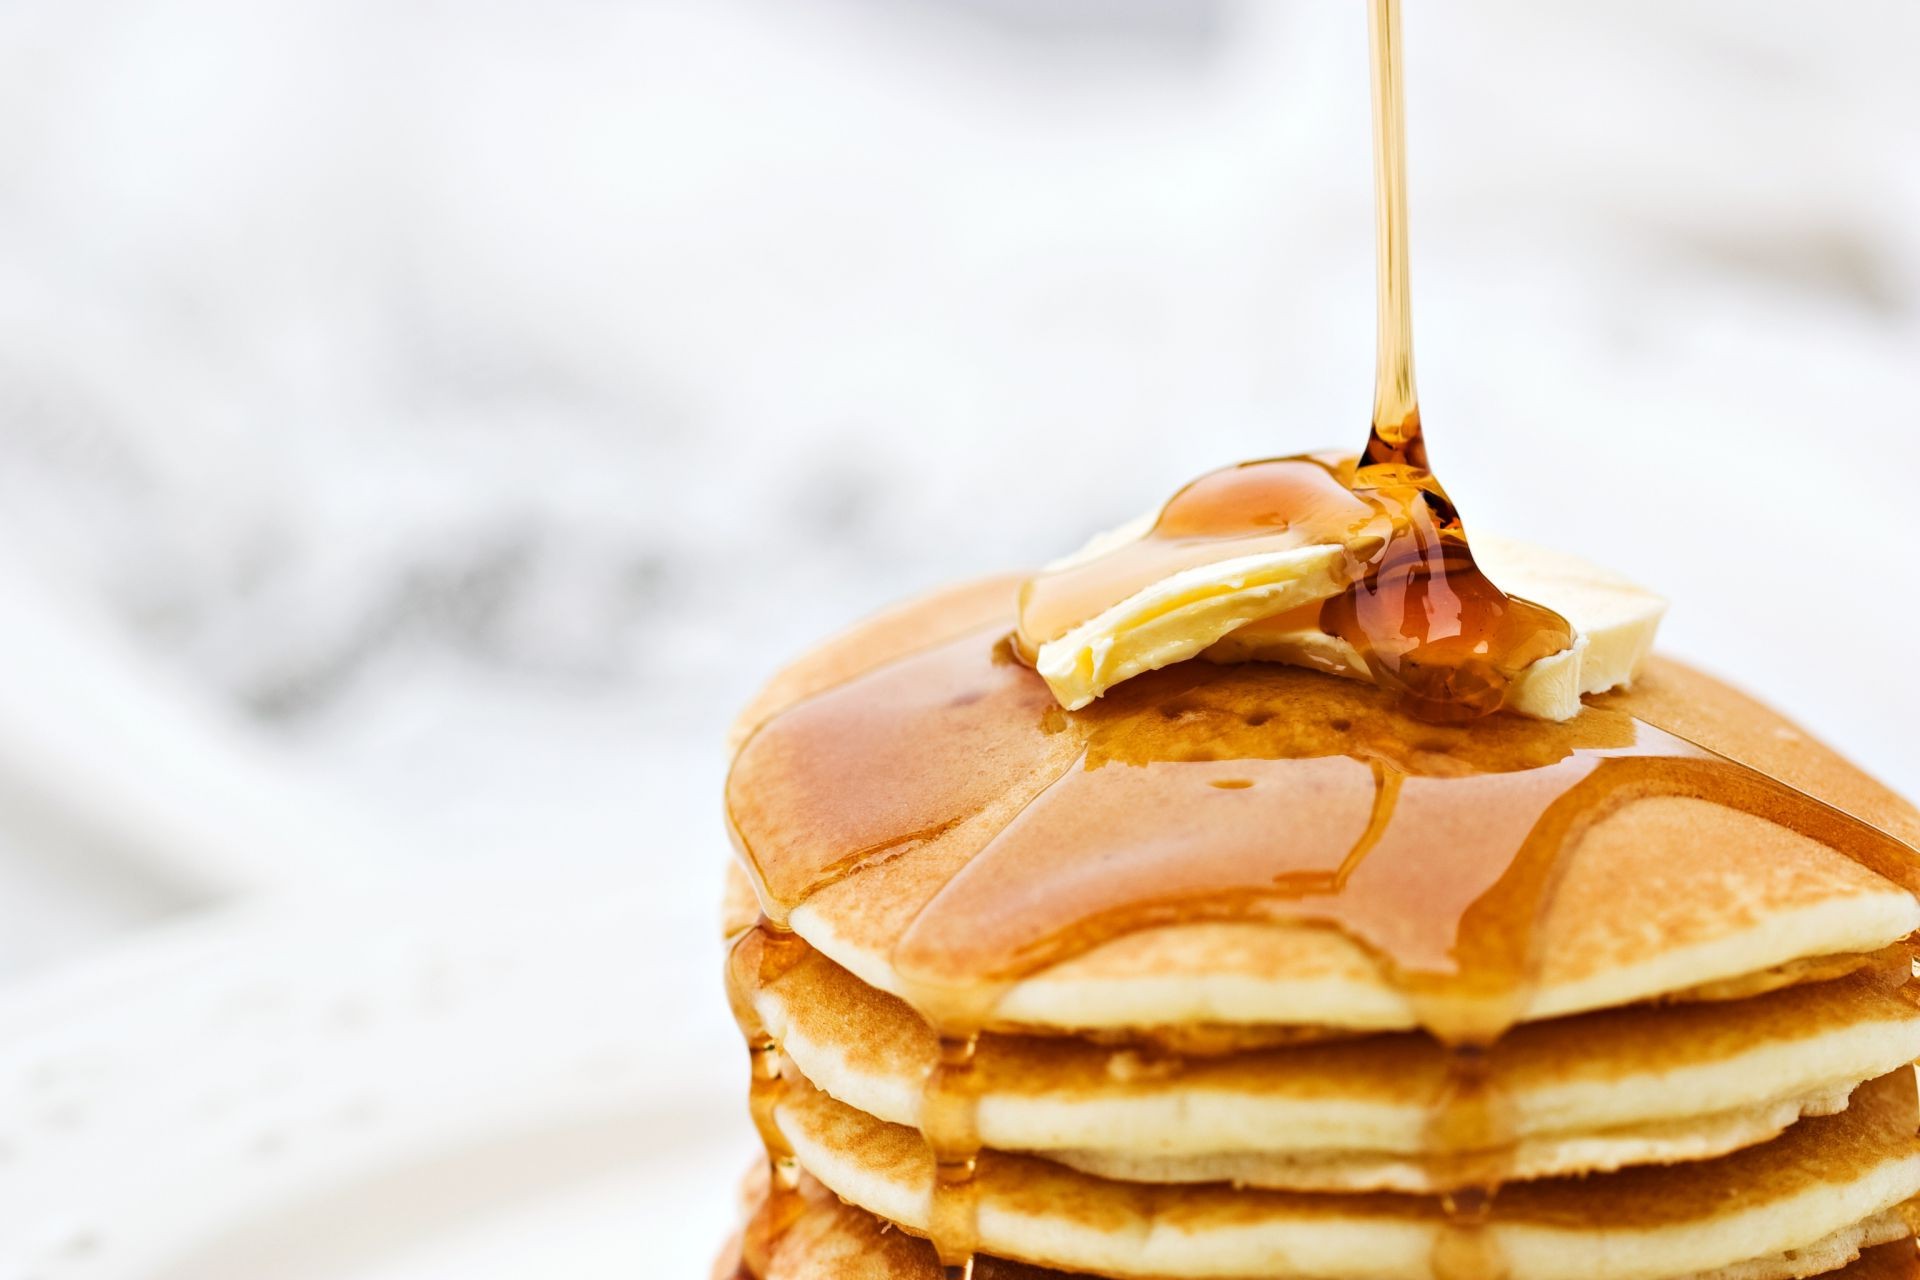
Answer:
(1877, 1129)
(1632, 889)
(833, 1240)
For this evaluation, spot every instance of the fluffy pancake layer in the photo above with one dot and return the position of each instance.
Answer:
(1833, 1182)
(1662, 895)
(834, 1240)
(1648, 1084)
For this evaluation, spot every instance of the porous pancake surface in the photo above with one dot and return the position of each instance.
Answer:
(1662, 893)
(1823, 1177)
(1235, 972)
(833, 1240)
(1655, 1083)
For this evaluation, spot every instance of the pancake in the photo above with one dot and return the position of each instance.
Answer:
(1244, 972)
(1627, 920)
(1599, 1091)
(833, 1240)
(1549, 1155)
(1818, 1192)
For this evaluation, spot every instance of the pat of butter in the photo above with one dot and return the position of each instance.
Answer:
(1181, 616)
(1251, 609)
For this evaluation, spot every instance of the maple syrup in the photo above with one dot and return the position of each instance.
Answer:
(949, 1119)
(755, 957)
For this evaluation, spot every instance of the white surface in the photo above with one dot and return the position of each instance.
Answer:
(432, 420)
(486, 1080)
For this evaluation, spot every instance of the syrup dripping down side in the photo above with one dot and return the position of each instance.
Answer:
(1395, 438)
(756, 957)
(949, 1119)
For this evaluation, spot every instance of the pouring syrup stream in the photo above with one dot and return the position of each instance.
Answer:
(1395, 437)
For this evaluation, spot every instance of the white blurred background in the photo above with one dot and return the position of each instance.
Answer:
(422, 423)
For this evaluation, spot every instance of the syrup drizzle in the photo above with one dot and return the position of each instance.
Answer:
(949, 1117)
(949, 1110)
(755, 957)
(1395, 437)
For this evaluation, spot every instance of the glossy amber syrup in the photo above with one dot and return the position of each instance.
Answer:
(1203, 793)
(949, 1117)
(755, 957)
(1424, 620)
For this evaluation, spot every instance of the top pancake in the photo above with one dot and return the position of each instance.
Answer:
(1661, 895)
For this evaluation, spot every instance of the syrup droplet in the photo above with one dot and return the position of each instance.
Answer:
(949, 1118)
(757, 957)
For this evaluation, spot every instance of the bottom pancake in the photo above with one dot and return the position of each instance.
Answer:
(1603, 1151)
(833, 1240)
(1828, 1184)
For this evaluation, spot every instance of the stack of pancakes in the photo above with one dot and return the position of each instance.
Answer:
(1703, 1066)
